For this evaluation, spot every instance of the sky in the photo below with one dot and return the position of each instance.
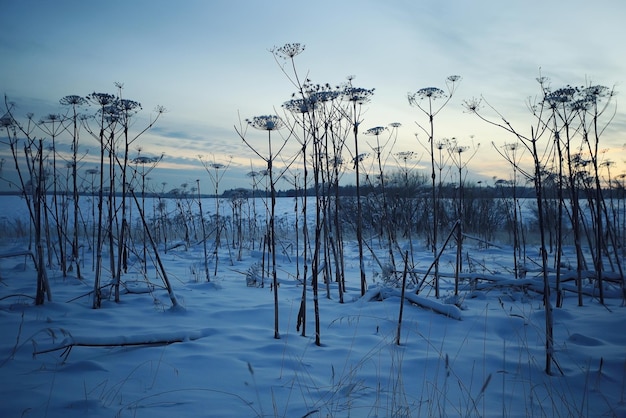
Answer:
(209, 64)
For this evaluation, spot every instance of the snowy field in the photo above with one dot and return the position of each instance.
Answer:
(217, 356)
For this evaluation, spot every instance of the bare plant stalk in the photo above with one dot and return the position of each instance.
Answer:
(42, 279)
(53, 130)
(404, 274)
(386, 220)
(143, 161)
(204, 237)
(166, 281)
(431, 94)
(530, 142)
(357, 96)
(103, 100)
(269, 123)
(456, 152)
(75, 101)
(304, 107)
(33, 191)
(213, 169)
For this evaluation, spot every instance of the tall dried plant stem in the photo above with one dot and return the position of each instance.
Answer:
(269, 124)
(166, 281)
(204, 237)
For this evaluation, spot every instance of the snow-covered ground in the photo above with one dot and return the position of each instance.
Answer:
(485, 359)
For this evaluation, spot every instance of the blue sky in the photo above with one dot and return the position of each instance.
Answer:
(208, 63)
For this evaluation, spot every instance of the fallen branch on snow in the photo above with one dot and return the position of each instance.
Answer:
(451, 311)
(70, 341)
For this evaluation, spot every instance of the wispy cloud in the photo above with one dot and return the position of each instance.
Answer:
(208, 74)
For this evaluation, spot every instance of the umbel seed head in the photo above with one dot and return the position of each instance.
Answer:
(266, 122)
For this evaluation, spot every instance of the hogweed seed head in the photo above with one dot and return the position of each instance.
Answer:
(322, 96)
(51, 117)
(289, 50)
(512, 146)
(73, 100)
(431, 93)
(299, 105)
(357, 95)
(6, 121)
(127, 106)
(472, 105)
(359, 158)
(596, 91)
(101, 99)
(142, 159)
(562, 95)
(405, 155)
(377, 130)
(460, 149)
(266, 122)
